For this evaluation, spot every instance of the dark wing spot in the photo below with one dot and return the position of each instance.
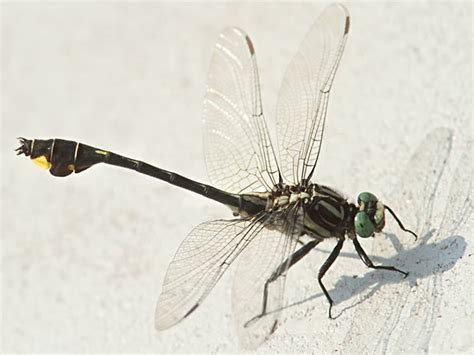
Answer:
(274, 327)
(348, 22)
(193, 308)
(250, 45)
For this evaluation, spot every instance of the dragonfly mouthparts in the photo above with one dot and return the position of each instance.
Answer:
(25, 147)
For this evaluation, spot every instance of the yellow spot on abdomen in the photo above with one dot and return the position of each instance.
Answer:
(71, 167)
(42, 162)
(101, 152)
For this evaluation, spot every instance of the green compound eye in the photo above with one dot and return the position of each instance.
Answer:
(366, 198)
(363, 225)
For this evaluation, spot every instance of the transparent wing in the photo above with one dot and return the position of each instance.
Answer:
(272, 249)
(238, 151)
(199, 263)
(303, 97)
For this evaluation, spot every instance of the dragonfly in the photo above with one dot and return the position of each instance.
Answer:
(279, 214)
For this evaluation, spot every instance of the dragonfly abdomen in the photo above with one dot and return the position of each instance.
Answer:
(63, 157)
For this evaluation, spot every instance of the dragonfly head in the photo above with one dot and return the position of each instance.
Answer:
(371, 215)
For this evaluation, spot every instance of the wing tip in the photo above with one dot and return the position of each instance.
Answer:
(161, 323)
(345, 12)
(241, 33)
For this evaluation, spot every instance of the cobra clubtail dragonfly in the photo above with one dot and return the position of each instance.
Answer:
(276, 206)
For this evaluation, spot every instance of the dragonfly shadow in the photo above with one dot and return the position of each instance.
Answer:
(427, 258)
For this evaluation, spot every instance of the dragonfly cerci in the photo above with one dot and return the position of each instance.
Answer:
(279, 213)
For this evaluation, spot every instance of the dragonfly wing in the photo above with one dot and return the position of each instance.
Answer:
(273, 248)
(239, 154)
(303, 97)
(199, 263)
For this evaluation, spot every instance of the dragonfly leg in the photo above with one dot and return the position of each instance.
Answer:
(368, 262)
(327, 264)
(285, 265)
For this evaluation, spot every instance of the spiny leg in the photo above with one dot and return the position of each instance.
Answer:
(368, 262)
(327, 264)
(285, 265)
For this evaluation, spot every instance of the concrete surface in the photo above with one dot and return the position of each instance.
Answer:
(83, 258)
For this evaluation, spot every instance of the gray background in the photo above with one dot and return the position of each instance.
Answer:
(83, 258)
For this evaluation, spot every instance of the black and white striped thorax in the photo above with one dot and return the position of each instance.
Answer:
(326, 212)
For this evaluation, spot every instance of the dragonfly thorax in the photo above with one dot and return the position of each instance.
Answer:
(327, 214)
